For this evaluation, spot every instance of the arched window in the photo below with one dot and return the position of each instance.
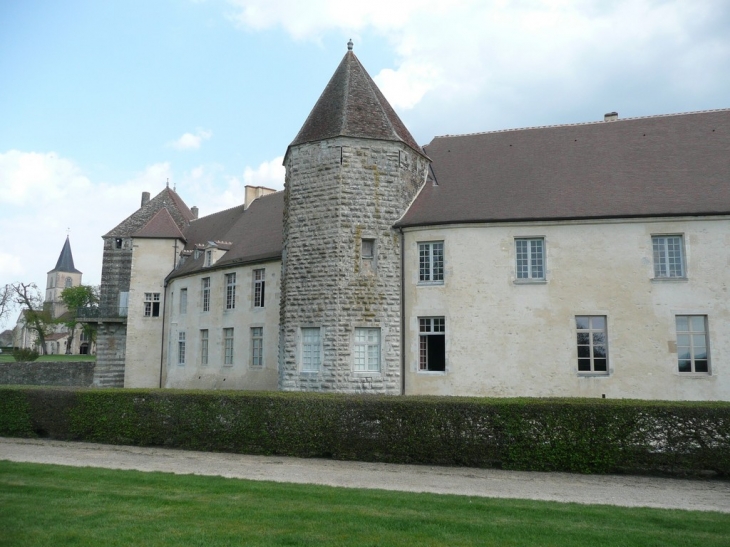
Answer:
(68, 282)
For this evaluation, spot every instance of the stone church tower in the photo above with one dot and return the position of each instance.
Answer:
(351, 172)
(63, 276)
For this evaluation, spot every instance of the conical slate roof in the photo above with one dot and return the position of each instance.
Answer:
(352, 106)
(65, 260)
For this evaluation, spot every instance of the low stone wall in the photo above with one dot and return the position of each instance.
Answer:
(41, 373)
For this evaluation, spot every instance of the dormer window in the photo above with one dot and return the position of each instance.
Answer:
(118, 243)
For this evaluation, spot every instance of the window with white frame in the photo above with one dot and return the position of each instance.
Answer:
(227, 346)
(230, 291)
(311, 349)
(367, 350)
(431, 262)
(208, 257)
(151, 304)
(530, 258)
(668, 256)
(203, 346)
(257, 346)
(181, 348)
(592, 338)
(259, 287)
(692, 354)
(183, 301)
(205, 293)
(432, 344)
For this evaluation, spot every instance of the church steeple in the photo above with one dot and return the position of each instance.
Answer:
(65, 261)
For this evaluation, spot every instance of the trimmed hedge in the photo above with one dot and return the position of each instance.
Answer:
(576, 435)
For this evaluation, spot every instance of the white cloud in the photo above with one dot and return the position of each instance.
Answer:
(479, 58)
(190, 141)
(269, 174)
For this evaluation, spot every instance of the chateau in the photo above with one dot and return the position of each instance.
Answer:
(585, 260)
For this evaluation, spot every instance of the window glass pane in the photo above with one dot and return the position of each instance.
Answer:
(584, 338)
(685, 365)
(697, 323)
(701, 366)
(682, 323)
(599, 351)
(584, 365)
(599, 338)
(700, 353)
(581, 322)
(584, 351)
(683, 339)
(698, 340)
(598, 322)
(599, 365)
(683, 353)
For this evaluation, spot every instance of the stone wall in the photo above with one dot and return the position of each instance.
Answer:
(338, 192)
(111, 343)
(41, 373)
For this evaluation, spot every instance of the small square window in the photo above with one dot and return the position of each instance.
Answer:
(151, 304)
(592, 339)
(692, 343)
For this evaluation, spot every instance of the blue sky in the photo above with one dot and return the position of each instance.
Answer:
(100, 101)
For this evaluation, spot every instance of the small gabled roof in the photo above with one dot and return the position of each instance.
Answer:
(167, 199)
(352, 106)
(160, 226)
(65, 261)
(669, 165)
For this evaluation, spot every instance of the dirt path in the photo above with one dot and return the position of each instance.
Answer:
(710, 495)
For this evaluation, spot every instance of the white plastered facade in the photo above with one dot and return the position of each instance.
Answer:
(506, 338)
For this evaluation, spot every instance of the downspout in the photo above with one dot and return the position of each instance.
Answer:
(402, 315)
(162, 340)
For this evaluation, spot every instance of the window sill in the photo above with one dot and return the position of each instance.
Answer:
(432, 372)
(309, 372)
(584, 374)
(530, 281)
(430, 283)
(373, 373)
(669, 279)
(694, 375)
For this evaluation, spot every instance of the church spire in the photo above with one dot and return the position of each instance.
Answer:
(65, 260)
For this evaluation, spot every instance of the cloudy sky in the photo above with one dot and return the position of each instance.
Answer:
(100, 101)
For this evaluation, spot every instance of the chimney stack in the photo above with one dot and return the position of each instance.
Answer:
(194, 210)
(145, 198)
(610, 116)
(255, 192)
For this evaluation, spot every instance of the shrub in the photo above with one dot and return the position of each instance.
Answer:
(25, 354)
(576, 435)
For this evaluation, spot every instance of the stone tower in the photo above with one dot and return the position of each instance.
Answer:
(63, 276)
(351, 172)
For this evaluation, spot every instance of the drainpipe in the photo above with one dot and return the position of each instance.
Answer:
(162, 340)
(402, 316)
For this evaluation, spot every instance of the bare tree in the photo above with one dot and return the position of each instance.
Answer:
(7, 303)
(37, 319)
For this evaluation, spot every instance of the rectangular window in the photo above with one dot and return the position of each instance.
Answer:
(259, 288)
(530, 254)
(367, 255)
(183, 301)
(668, 256)
(592, 343)
(205, 292)
(204, 346)
(151, 304)
(230, 291)
(431, 262)
(692, 343)
(432, 344)
(311, 349)
(228, 346)
(367, 350)
(208, 258)
(181, 348)
(257, 346)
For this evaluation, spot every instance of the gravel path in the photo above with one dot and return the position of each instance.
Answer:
(628, 491)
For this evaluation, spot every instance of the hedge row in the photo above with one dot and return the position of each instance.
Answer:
(576, 435)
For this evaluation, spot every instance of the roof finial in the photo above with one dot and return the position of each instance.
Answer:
(349, 45)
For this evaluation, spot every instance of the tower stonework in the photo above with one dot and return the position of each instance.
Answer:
(351, 172)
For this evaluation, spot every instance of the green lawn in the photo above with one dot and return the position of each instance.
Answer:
(45, 505)
(8, 358)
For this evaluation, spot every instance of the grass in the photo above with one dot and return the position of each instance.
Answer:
(8, 358)
(56, 505)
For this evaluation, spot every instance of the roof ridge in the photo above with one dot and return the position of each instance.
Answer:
(584, 123)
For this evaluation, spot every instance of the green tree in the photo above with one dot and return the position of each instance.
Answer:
(82, 296)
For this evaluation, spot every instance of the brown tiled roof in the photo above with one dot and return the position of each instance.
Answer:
(654, 166)
(352, 106)
(167, 199)
(256, 234)
(160, 226)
